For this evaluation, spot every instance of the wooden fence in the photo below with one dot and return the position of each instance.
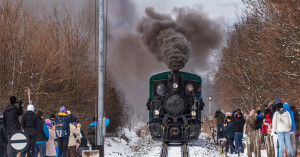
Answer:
(255, 144)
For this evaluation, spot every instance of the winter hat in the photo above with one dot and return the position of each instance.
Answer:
(30, 107)
(48, 122)
(268, 116)
(63, 109)
(13, 99)
(277, 101)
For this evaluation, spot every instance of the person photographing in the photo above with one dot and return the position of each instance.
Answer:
(11, 120)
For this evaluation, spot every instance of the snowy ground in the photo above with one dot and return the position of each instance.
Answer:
(130, 145)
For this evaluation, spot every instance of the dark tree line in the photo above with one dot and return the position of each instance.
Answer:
(53, 54)
(261, 60)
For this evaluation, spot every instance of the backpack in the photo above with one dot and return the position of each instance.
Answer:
(61, 127)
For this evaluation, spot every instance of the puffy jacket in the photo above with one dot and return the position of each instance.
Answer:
(230, 129)
(239, 124)
(11, 118)
(220, 117)
(50, 145)
(3, 135)
(250, 124)
(29, 123)
(286, 106)
(281, 121)
(68, 119)
(266, 126)
(73, 133)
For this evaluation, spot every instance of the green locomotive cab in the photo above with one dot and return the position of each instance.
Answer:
(175, 106)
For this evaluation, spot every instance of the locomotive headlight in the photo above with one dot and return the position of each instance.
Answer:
(189, 88)
(175, 85)
(160, 89)
(156, 112)
(193, 113)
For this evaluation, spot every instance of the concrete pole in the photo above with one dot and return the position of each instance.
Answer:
(100, 139)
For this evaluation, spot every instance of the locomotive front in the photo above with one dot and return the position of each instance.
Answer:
(175, 108)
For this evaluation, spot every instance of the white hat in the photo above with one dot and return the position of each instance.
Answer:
(30, 107)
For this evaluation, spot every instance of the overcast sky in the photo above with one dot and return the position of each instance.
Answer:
(225, 10)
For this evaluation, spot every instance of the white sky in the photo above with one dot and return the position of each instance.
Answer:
(225, 10)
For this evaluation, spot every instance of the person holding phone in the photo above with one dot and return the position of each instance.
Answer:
(11, 120)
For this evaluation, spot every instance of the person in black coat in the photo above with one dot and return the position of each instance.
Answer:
(3, 137)
(259, 120)
(30, 125)
(229, 128)
(11, 120)
(239, 123)
(83, 146)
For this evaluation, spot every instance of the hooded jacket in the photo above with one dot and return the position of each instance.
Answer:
(220, 117)
(286, 106)
(11, 118)
(281, 121)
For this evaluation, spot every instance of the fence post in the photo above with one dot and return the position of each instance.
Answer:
(272, 146)
(257, 141)
(254, 143)
(249, 145)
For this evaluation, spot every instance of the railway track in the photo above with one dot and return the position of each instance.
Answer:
(184, 149)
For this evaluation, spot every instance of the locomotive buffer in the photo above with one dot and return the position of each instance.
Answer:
(183, 146)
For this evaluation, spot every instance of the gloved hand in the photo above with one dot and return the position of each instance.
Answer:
(20, 102)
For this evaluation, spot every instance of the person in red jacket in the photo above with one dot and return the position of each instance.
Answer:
(266, 127)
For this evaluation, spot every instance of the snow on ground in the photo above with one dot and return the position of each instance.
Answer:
(128, 144)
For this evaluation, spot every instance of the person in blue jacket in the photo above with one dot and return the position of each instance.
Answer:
(286, 106)
(229, 128)
(62, 129)
(92, 132)
(42, 135)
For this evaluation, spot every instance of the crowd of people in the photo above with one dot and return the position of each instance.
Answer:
(281, 121)
(57, 135)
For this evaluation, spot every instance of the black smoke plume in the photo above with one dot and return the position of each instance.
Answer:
(160, 34)
(171, 41)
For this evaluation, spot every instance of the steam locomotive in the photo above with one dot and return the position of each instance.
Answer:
(175, 106)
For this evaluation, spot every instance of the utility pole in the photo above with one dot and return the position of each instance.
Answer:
(100, 134)
(209, 105)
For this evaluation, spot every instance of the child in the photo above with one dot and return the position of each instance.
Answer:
(50, 145)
